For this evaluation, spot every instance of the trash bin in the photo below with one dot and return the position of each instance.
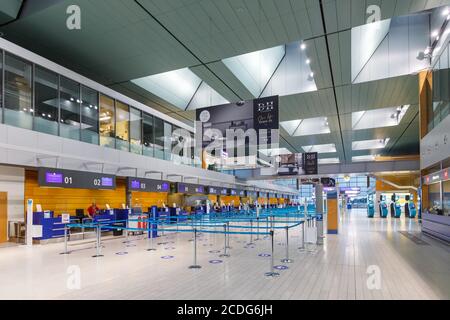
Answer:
(116, 231)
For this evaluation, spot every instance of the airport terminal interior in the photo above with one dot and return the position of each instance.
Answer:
(224, 149)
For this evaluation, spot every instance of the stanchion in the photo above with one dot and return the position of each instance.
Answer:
(150, 234)
(302, 238)
(195, 265)
(257, 229)
(287, 260)
(99, 230)
(271, 273)
(65, 241)
(228, 235)
(225, 253)
(251, 233)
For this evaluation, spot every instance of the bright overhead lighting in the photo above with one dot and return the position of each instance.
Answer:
(321, 148)
(378, 118)
(367, 158)
(329, 161)
(306, 127)
(435, 33)
(308, 61)
(177, 87)
(303, 46)
(370, 144)
(275, 152)
(445, 12)
(255, 69)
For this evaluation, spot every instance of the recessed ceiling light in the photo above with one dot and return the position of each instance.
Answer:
(329, 161)
(378, 118)
(445, 12)
(306, 127)
(303, 46)
(370, 144)
(321, 148)
(366, 158)
(435, 33)
(308, 61)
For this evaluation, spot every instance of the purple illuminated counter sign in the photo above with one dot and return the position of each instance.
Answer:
(53, 177)
(107, 182)
(199, 189)
(165, 186)
(135, 184)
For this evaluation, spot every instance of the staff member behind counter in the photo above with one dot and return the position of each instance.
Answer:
(93, 210)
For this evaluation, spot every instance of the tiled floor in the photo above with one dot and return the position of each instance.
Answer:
(336, 270)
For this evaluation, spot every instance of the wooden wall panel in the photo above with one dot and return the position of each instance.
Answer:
(148, 199)
(229, 199)
(3, 216)
(62, 200)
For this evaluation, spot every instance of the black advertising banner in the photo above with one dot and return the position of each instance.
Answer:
(232, 192)
(148, 185)
(75, 179)
(328, 182)
(255, 114)
(241, 193)
(310, 161)
(190, 188)
(298, 164)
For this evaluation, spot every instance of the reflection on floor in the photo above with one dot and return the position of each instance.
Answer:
(345, 267)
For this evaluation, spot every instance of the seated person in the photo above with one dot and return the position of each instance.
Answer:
(93, 210)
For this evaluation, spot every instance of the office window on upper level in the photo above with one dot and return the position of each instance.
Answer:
(135, 131)
(70, 102)
(167, 141)
(18, 92)
(122, 126)
(148, 135)
(159, 138)
(45, 101)
(89, 115)
(107, 122)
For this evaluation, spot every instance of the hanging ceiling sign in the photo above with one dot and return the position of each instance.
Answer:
(190, 188)
(148, 185)
(62, 178)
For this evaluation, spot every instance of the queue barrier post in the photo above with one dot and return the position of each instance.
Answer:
(150, 234)
(225, 253)
(272, 272)
(195, 265)
(227, 236)
(302, 238)
(99, 230)
(65, 240)
(257, 228)
(287, 260)
(251, 233)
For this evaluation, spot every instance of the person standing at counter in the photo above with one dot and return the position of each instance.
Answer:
(93, 210)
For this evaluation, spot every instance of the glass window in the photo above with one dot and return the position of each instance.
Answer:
(107, 118)
(46, 101)
(18, 92)
(434, 195)
(167, 141)
(89, 115)
(135, 131)
(446, 197)
(159, 138)
(148, 134)
(122, 126)
(69, 99)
